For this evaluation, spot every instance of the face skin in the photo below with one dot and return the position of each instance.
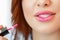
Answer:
(30, 7)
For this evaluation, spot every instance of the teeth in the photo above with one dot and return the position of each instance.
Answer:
(44, 15)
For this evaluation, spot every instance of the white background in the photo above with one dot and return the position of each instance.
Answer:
(5, 15)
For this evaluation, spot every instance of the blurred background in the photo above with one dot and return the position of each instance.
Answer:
(5, 16)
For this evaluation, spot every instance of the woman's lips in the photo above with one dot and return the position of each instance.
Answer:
(44, 16)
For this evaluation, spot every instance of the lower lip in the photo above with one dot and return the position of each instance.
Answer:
(45, 19)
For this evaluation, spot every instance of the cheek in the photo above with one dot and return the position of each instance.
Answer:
(28, 6)
(28, 10)
(38, 26)
(56, 5)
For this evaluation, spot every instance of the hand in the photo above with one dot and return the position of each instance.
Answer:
(1, 37)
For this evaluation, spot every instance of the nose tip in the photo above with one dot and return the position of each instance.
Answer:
(44, 3)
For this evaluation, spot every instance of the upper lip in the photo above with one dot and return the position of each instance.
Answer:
(44, 12)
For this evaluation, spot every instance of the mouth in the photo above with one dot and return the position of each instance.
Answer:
(44, 16)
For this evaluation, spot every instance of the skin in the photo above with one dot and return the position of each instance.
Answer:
(42, 30)
(1, 37)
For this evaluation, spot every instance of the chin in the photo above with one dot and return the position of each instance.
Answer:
(47, 30)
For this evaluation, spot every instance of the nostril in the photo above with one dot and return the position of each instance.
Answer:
(46, 5)
(38, 5)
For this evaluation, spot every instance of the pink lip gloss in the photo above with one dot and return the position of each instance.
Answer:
(44, 16)
(5, 31)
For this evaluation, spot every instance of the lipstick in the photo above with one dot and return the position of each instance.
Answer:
(5, 30)
(44, 16)
(14, 26)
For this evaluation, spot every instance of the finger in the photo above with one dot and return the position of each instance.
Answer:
(2, 38)
(1, 26)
